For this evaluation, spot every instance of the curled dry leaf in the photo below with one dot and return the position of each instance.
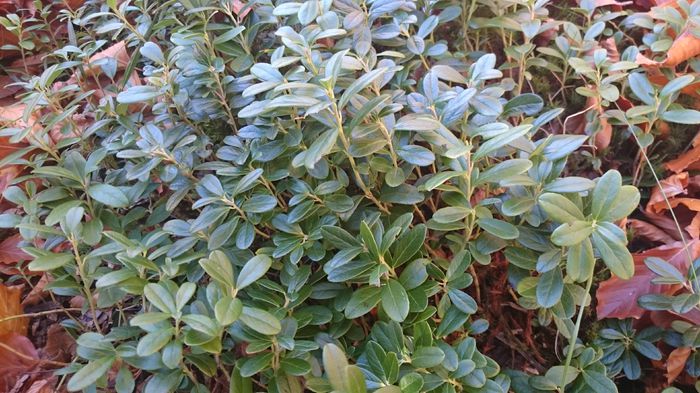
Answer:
(684, 47)
(614, 294)
(650, 232)
(676, 363)
(690, 160)
(670, 187)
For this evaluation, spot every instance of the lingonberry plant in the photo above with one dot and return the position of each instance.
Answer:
(303, 196)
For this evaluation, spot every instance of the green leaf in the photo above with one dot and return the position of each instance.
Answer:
(369, 241)
(642, 88)
(409, 244)
(50, 261)
(359, 84)
(108, 195)
(569, 184)
(255, 364)
(227, 310)
(219, 268)
(202, 324)
(160, 297)
(438, 179)
(297, 367)
(154, 341)
(504, 170)
(528, 104)
(362, 301)
(152, 51)
(240, 384)
(462, 301)
(611, 245)
(136, 94)
(682, 116)
(90, 373)
(395, 300)
(550, 287)
(580, 261)
(335, 363)
(572, 234)
(261, 321)
(416, 155)
(624, 204)
(255, 268)
(605, 193)
(320, 147)
(501, 141)
(354, 380)
(426, 357)
(124, 382)
(676, 84)
(450, 214)
(559, 208)
(668, 274)
(499, 228)
(339, 237)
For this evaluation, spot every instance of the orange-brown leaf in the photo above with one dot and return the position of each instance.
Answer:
(670, 187)
(686, 161)
(676, 363)
(649, 231)
(684, 47)
(10, 305)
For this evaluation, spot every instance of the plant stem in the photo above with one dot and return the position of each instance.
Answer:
(574, 336)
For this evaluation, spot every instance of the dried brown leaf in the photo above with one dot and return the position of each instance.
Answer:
(676, 363)
(17, 357)
(10, 305)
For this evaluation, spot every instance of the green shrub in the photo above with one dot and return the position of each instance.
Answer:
(299, 184)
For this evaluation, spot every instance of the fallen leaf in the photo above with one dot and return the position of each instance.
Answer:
(37, 293)
(238, 6)
(649, 231)
(17, 356)
(42, 386)
(688, 160)
(676, 363)
(117, 52)
(10, 253)
(664, 222)
(617, 297)
(670, 187)
(10, 305)
(685, 46)
(60, 346)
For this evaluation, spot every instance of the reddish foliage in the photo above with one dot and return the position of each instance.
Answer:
(615, 295)
(13, 365)
(10, 253)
